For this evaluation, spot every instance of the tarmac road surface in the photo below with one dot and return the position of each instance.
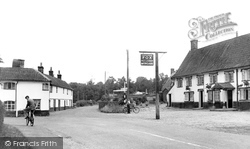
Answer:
(87, 128)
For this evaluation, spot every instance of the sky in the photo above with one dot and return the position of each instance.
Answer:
(84, 39)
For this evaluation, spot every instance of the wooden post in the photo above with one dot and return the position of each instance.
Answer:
(157, 103)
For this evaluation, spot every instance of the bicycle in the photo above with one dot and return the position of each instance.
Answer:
(30, 118)
(135, 109)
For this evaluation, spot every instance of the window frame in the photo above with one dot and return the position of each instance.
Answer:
(179, 82)
(45, 86)
(9, 85)
(229, 76)
(189, 96)
(213, 78)
(189, 81)
(38, 101)
(200, 80)
(12, 105)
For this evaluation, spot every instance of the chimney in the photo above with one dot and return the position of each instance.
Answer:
(59, 76)
(172, 71)
(194, 44)
(18, 63)
(51, 72)
(40, 68)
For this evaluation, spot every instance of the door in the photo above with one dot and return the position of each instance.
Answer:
(201, 99)
(169, 101)
(54, 104)
(59, 105)
(230, 98)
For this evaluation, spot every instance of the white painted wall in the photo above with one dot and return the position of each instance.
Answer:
(61, 94)
(177, 94)
(34, 91)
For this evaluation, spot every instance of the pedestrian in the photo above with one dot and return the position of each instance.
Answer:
(128, 105)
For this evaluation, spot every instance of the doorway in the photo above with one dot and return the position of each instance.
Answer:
(201, 98)
(169, 100)
(230, 98)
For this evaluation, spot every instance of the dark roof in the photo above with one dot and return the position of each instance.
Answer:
(58, 82)
(168, 85)
(229, 54)
(21, 74)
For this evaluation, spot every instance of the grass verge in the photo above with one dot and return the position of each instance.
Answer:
(13, 134)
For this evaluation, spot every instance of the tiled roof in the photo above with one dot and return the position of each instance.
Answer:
(229, 54)
(58, 82)
(21, 74)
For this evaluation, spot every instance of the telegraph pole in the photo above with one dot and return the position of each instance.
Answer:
(128, 97)
(148, 62)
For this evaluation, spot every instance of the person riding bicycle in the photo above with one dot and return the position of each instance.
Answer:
(30, 107)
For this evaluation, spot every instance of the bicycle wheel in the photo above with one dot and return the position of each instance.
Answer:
(27, 121)
(125, 110)
(136, 110)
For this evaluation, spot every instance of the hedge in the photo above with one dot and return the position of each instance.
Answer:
(112, 107)
(2, 112)
(82, 103)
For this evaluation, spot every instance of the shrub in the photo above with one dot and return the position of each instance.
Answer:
(112, 107)
(2, 112)
(82, 103)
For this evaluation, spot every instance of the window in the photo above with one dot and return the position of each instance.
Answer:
(56, 89)
(217, 96)
(210, 96)
(67, 91)
(245, 93)
(45, 86)
(9, 105)
(189, 96)
(200, 80)
(38, 104)
(9, 86)
(51, 89)
(63, 91)
(189, 81)
(229, 76)
(213, 78)
(246, 74)
(179, 82)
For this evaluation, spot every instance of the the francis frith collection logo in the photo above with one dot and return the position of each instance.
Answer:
(211, 28)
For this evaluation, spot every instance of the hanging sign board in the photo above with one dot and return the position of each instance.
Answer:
(147, 59)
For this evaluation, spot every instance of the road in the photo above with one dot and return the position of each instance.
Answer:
(87, 128)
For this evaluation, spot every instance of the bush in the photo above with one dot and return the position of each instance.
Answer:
(2, 112)
(112, 107)
(82, 103)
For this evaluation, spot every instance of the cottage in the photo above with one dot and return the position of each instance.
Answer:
(214, 76)
(49, 93)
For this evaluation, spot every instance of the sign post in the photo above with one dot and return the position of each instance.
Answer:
(146, 60)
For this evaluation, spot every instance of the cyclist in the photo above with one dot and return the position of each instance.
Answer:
(30, 107)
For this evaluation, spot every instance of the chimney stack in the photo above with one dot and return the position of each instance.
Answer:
(59, 76)
(51, 72)
(194, 44)
(18, 63)
(40, 68)
(172, 71)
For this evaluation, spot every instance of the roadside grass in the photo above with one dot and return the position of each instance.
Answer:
(13, 134)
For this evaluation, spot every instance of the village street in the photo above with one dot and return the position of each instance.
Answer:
(88, 128)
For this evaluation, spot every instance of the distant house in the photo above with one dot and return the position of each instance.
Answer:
(214, 76)
(166, 88)
(17, 82)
